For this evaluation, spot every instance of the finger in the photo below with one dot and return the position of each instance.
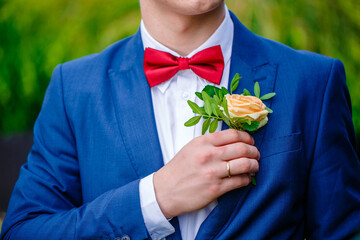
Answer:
(235, 182)
(230, 136)
(237, 150)
(240, 166)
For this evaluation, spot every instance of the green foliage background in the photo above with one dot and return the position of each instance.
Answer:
(37, 35)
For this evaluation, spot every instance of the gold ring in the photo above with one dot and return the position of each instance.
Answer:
(228, 169)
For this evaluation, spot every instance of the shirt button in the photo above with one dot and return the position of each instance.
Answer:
(186, 95)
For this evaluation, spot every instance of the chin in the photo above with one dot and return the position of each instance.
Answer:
(194, 7)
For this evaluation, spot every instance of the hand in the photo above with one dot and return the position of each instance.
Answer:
(197, 175)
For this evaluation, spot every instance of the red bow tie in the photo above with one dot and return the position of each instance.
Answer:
(161, 66)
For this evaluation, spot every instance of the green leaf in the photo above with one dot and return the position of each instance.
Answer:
(234, 83)
(269, 110)
(253, 181)
(221, 95)
(202, 111)
(216, 100)
(192, 121)
(194, 107)
(216, 90)
(198, 94)
(257, 89)
(218, 110)
(210, 90)
(251, 127)
(205, 126)
(214, 109)
(267, 96)
(207, 101)
(224, 91)
(207, 106)
(226, 110)
(238, 120)
(225, 119)
(205, 96)
(213, 126)
(246, 92)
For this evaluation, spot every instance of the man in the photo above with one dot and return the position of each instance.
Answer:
(96, 170)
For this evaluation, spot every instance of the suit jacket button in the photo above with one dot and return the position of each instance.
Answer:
(125, 237)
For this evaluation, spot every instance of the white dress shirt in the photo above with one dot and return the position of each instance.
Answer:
(171, 112)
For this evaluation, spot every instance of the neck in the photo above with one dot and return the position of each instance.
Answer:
(180, 32)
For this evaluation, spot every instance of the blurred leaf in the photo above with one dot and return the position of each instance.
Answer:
(38, 35)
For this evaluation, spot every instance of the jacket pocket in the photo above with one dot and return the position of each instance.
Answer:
(281, 144)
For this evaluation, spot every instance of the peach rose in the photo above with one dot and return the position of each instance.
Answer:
(248, 107)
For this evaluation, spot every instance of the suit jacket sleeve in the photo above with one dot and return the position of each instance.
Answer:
(47, 199)
(333, 198)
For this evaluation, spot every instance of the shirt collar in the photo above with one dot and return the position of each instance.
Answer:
(226, 28)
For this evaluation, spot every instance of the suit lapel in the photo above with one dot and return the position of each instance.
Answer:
(134, 110)
(265, 74)
(249, 60)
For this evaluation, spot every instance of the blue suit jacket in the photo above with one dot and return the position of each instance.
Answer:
(96, 137)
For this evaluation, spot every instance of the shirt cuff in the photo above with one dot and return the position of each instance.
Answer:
(155, 221)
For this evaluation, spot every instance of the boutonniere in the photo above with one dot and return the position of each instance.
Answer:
(243, 112)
